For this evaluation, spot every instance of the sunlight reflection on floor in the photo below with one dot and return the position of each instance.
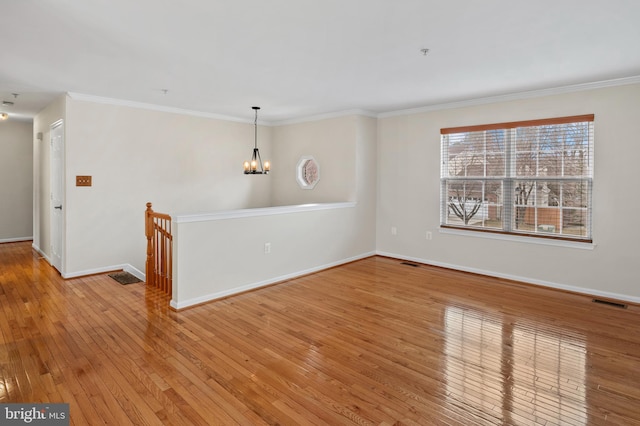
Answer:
(537, 378)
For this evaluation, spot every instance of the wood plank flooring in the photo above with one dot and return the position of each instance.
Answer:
(373, 342)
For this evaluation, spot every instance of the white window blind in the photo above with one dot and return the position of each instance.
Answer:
(529, 177)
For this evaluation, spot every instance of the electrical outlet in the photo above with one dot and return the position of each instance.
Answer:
(267, 248)
(428, 235)
(394, 230)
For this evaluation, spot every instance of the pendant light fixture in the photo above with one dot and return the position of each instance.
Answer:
(255, 167)
(4, 115)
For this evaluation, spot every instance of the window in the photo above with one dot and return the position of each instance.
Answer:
(307, 172)
(528, 178)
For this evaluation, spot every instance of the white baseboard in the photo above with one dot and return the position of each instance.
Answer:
(253, 286)
(135, 272)
(125, 267)
(212, 296)
(527, 280)
(41, 253)
(15, 240)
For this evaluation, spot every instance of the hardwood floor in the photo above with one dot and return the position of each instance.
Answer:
(373, 342)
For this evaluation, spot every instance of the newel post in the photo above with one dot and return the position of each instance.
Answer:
(148, 230)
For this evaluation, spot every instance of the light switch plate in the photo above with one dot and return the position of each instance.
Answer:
(83, 180)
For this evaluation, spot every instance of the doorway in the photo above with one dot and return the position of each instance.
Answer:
(57, 195)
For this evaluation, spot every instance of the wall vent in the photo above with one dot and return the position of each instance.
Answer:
(610, 303)
(415, 265)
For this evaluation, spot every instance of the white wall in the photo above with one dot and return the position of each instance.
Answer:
(180, 163)
(409, 188)
(183, 164)
(16, 180)
(215, 257)
(332, 143)
(186, 164)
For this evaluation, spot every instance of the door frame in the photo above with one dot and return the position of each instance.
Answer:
(57, 222)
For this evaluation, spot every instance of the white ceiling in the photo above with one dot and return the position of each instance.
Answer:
(298, 58)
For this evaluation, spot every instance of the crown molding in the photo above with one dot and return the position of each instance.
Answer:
(154, 107)
(515, 96)
(361, 112)
(327, 116)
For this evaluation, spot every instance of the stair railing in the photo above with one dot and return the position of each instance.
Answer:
(158, 268)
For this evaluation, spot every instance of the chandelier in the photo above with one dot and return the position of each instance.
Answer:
(255, 167)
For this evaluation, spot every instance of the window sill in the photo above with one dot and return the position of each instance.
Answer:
(519, 239)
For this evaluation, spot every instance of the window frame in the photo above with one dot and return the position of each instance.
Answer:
(509, 178)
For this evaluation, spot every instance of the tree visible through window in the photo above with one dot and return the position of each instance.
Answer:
(531, 177)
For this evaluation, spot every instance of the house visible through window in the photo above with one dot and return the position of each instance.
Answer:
(530, 177)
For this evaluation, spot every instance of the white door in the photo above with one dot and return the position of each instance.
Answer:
(57, 194)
